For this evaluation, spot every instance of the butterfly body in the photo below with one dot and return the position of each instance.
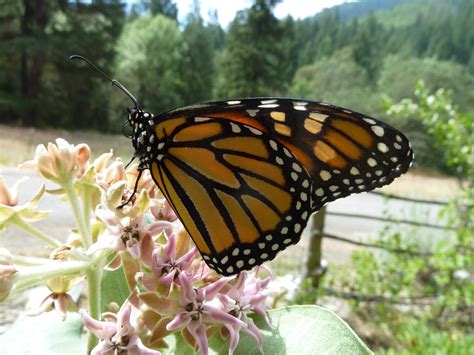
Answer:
(244, 175)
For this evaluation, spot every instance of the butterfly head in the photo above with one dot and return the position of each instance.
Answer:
(143, 136)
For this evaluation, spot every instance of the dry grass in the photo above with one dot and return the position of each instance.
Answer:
(421, 184)
(18, 144)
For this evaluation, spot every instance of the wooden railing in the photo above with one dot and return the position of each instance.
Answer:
(315, 268)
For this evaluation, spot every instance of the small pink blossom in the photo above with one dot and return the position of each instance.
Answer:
(197, 311)
(60, 302)
(117, 334)
(247, 295)
(131, 234)
(166, 266)
(161, 210)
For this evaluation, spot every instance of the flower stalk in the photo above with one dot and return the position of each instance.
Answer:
(29, 277)
(20, 223)
(76, 210)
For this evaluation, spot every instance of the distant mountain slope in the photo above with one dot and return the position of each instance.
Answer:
(406, 14)
(397, 13)
(352, 9)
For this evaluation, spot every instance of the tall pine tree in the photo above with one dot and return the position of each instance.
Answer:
(253, 54)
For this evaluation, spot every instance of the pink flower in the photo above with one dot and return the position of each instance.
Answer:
(117, 334)
(161, 210)
(61, 302)
(131, 234)
(247, 295)
(166, 266)
(196, 310)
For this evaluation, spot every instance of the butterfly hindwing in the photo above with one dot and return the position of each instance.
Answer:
(242, 195)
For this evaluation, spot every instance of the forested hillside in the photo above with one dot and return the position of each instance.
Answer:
(355, 55)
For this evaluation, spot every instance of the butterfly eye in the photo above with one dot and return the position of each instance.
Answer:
(127, 129)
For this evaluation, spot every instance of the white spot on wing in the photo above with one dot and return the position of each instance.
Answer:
(382, 147)
(235, 128)
(297, 168)
(201, 119)
(299, 108)
(354, 171)
(379, 131)
(273, 144)
(325, 175)
(372, 162)
(252, 113)
(255, 131)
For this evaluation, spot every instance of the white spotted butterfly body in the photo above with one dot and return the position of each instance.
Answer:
(245, 175)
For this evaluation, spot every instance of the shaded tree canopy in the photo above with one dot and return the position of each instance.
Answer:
(354, 55)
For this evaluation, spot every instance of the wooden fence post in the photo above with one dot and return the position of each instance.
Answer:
(313, 268)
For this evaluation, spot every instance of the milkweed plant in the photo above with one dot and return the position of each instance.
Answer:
(170, 289)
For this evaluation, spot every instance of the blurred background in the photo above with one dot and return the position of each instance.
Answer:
(397, 264)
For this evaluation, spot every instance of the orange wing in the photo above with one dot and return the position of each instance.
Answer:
(241, 195)
(244, 175)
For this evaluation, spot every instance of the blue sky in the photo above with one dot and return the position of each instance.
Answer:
(226, 9)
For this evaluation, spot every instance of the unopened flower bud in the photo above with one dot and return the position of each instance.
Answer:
(9, 197)
(55, 162)
(83, 154)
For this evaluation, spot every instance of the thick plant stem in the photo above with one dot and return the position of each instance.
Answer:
(28, 260)
(33, 276)
(17, 221)
(94, 276)
(86, 209)
(81, 224)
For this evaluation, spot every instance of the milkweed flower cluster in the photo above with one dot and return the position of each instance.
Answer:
(172, 290)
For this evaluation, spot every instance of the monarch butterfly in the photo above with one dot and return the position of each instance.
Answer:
(244, 175)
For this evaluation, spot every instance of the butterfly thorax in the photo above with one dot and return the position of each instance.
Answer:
(143, 136)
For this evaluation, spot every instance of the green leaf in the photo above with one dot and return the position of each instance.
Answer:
(295, 330)
(44, 334)
(114, 288)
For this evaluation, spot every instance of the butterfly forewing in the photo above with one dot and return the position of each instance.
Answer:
(241, 195)
(244, 175)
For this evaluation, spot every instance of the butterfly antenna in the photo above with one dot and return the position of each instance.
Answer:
(135, 188)
(113, 81)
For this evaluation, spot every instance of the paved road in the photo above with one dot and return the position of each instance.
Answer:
(61, 219)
